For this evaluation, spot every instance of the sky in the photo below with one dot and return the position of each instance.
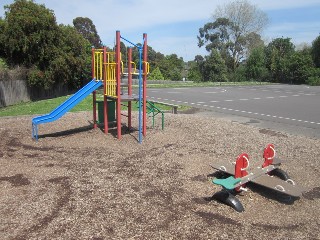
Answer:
(172, 26)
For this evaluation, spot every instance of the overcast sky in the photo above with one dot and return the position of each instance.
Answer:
(172, 25)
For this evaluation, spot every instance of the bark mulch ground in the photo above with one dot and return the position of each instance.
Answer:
(78, 183)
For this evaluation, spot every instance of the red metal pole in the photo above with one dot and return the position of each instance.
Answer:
(105, 100)
(118, 84)
(129, 85)
(94, 97)
(145, 60)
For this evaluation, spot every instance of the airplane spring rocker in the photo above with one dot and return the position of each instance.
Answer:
(269, 175)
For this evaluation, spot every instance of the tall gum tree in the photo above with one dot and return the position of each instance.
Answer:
(235, 30)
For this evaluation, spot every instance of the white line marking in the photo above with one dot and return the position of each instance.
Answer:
(283, 96)
(257, 98)
(270, 97)
(243, 99)
(214, 101)
(229, 100)
(201, 102)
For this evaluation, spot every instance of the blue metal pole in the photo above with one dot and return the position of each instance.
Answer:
(140, 95)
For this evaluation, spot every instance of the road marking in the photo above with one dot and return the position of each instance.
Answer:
(257, 98)
(247, 112)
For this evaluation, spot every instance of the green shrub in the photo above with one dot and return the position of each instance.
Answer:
(3, 64)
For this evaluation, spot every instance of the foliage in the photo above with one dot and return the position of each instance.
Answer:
(54, 53)
(256, 65)
(300, 67)
(234, 32)
(278, 53)
(315, 51)
(212, 67)
(3, 64)
(88, 30)
(29, 33)
(314, 79)
(73, 63)
(194, 73)
(171, 67)
(156, 74)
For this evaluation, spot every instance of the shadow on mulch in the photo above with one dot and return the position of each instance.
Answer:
(16, 180)
(67, 132)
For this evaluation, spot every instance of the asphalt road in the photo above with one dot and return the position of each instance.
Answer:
(287, 108)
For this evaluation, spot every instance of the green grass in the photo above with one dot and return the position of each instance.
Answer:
(46, 106)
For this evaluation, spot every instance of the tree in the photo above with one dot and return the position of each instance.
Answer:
(214, 68)
(88, 30)
(194, 73)
(2, 37)
(171, 67)
(156, 74)
(300, 67)
(29, 34)
(256, 65)
(54, 54)
(278, 53)
(236, 28)
(315, 51)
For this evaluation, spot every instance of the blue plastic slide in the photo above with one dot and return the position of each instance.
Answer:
(65, 107)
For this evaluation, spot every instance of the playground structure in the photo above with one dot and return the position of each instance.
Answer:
(107, 71)
(108, 67)
(269, 176)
